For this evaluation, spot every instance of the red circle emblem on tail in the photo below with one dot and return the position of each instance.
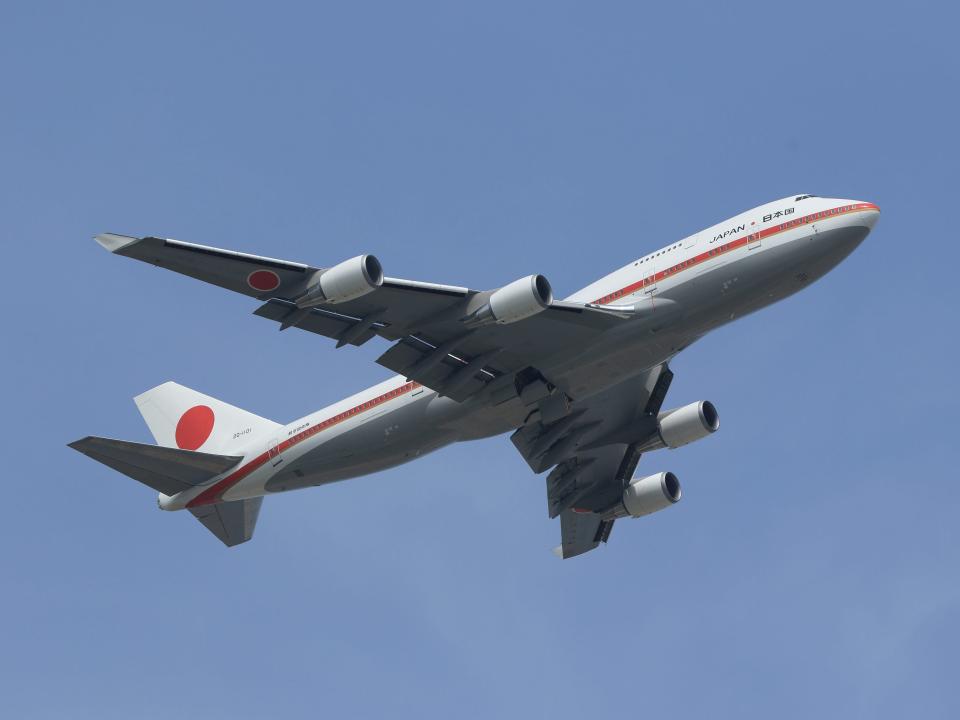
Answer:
(194, 427)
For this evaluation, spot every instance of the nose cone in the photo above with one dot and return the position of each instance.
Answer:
(867, 214)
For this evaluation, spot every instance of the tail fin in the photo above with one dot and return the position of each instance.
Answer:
(183, 418)
(184, 421)
(232, 522)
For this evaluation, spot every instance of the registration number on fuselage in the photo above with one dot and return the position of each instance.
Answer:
(297, 429)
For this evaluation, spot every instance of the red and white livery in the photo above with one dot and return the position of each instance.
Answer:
(579, 382)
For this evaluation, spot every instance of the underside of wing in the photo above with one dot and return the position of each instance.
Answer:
(462, 343)
(623, 413)
(593, 452)
(582, 499)
(241, 272)
(581, 532)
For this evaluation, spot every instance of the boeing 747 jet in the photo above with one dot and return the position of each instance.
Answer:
(580, 383)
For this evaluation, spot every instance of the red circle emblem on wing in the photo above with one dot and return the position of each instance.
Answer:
(194, 427)
(263, 280)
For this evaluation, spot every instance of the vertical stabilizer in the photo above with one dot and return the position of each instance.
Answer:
(183, 418)
(233, 522)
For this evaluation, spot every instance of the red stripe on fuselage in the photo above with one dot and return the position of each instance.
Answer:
(214, 493)
(730, 246)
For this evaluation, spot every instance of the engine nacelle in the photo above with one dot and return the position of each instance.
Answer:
(691, 422)
(679, 427)
(520, 299)
(652, 493)
(347, 281)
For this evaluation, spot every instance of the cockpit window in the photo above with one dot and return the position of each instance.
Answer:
(798, 198)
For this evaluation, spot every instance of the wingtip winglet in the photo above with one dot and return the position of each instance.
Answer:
(114, 242)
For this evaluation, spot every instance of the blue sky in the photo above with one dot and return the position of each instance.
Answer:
(811, 569)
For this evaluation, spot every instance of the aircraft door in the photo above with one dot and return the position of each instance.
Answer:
(753, 240)
(650, 279)
(274, 452)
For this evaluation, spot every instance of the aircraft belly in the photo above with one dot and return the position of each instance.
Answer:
(380, 442)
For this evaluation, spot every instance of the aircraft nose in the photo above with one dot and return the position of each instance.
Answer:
(868, 214)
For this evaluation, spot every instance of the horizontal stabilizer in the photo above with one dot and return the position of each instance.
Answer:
(166, 470)
(233, 522)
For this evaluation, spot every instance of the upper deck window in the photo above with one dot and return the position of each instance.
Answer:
(798, 198)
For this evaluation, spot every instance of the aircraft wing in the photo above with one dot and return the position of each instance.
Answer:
(582, 529)
(427, 323)
(593, 454)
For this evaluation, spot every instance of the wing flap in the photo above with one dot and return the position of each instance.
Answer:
(449, 375)
(582, 532)
(322, 322)
(604, 418)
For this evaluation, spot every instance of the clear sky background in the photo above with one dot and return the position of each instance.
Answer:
(812, 567)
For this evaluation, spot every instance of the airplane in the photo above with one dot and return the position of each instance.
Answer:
(579, 382)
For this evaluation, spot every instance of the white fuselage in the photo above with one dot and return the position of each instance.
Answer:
(684, 289)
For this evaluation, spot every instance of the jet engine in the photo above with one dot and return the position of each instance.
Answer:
(347, 281)
(649, 494)
(520, 299)
(679, 427)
